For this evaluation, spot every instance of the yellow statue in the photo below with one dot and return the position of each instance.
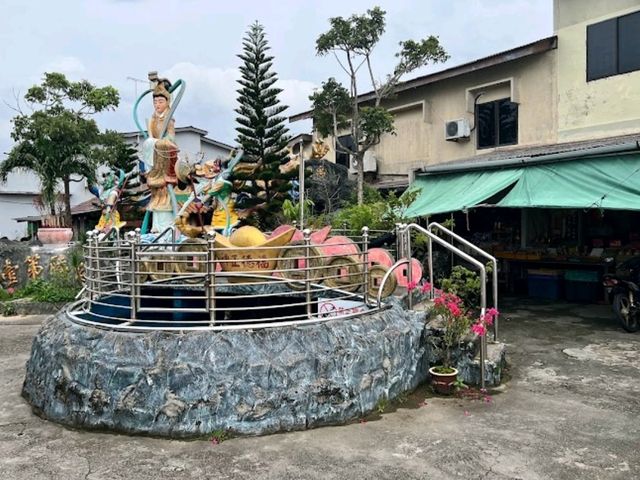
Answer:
(319, 149)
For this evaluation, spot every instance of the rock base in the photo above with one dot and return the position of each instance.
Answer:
(244, 382)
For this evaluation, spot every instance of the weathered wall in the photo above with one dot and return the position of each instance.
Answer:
(599, 108)
(421, 113)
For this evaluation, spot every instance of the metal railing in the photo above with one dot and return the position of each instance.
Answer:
(404, 250)
(477, 250)
(199, 284)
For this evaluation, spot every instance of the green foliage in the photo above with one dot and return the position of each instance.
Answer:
(218, 436)
(291, 210)
(262, 131)
(59, 138)
(52, 291)
(335, 108)
(374, 122)
(465, 284)
(376, 212)
(60, 287)
(382, 405)
(358, 216)
(8, 309)
(331, 105)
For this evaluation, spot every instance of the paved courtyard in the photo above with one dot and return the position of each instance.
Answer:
(569, 410)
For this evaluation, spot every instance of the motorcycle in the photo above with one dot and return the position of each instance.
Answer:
(625, 287)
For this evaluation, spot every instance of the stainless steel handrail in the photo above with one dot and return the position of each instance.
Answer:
(118, 276)
(405, 234)
(479, 251)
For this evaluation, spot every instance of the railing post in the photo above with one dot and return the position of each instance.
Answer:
(210, 283)
(307, 264)
(88, 261)
(495, 299)
(432, 290)
(398, 242)
(483, 338)
(96, 259)
(365, 261)
(134, 239)
(406, 236)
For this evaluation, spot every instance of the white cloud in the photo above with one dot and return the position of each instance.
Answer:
(67, 65)
(210, 98)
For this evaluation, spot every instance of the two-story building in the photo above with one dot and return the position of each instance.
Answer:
(534, 150)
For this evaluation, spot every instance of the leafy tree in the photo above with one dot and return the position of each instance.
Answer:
(352, 41)
(60, 138)
(262, 131)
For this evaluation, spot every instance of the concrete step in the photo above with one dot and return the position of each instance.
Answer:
(469, 367)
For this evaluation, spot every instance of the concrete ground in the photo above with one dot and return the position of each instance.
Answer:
(568, 411)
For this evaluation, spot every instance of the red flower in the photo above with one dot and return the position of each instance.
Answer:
(412, 286)
(479, 329)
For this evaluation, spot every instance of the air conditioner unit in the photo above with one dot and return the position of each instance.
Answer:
(455, 130)
(370, 163)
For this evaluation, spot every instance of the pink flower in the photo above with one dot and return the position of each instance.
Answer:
(439, 301)
(493, 312)
(479, 329)
(426, 287)
(11, 290)
(412, 286)
(486, 319)
(454, 309)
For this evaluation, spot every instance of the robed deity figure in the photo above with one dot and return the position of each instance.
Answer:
(159, 155)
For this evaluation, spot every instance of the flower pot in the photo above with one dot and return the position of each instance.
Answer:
(443, 382)
(55, 236)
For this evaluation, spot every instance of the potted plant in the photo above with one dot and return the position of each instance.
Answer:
(54, 227)
(456, 323)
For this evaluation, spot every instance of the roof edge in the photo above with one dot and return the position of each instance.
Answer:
(533, 48)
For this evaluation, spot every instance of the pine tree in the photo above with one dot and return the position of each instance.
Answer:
(262, 132)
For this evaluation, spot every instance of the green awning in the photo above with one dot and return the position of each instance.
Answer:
(458, 191)
(601, 182)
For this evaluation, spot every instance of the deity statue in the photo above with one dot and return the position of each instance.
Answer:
(159, 155)
(211, 192)
(109, 193)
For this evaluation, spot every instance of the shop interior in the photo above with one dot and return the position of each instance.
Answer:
(555, 254)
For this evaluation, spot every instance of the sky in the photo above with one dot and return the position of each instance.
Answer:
(113, 42)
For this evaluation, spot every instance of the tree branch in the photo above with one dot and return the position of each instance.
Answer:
(339, 62)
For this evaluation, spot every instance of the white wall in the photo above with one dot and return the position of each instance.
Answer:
(15, 206)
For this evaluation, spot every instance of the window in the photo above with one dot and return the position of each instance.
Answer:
(497, 123)
(613, 46)
(342, 157)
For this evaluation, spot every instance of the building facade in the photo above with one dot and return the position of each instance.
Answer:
(581, 84)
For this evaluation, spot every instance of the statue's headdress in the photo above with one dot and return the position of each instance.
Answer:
(162, 89)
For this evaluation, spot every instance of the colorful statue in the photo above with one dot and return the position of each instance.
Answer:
(159, 154)
(210, 191)
(109, 193)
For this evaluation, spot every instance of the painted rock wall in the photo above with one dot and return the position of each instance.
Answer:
(247, 382)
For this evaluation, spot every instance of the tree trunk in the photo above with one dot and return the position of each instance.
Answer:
(360, 160)
(67, 201)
